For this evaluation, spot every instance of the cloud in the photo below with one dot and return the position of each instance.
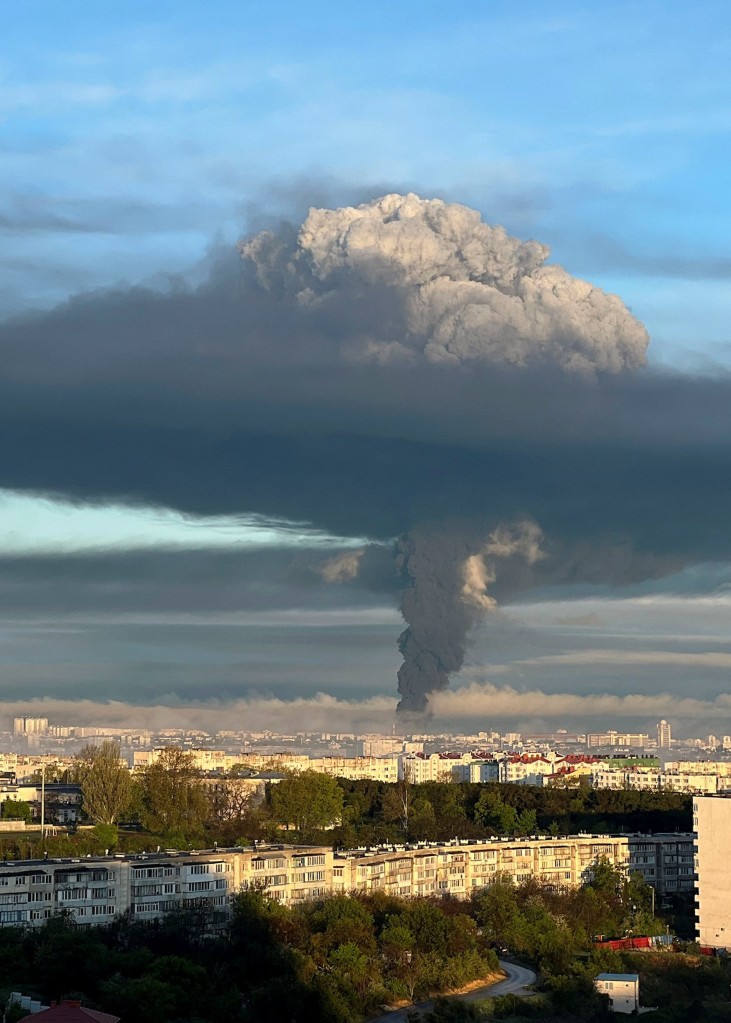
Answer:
(273, 388)
(487, 701)
(469, 291)
(633, 658)
(590, 620)
(321, 712)
(475, 706)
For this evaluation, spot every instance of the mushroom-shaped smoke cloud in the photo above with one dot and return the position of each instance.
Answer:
(450, 289)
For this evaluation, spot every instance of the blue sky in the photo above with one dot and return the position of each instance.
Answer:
(134, 137)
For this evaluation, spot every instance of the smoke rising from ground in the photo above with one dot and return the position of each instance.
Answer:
(446, 571)
(468, 292)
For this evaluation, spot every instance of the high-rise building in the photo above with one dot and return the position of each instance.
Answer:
(664, 735)
(30, 726)
(712, 826)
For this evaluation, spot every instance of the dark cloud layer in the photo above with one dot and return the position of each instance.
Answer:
(233, 397)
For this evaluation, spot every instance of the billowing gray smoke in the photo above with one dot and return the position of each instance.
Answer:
(445, 288)
(446, 572)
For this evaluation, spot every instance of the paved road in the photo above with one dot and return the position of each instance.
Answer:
(517, 982)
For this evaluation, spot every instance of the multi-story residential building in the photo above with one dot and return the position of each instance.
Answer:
(712, 826)
(527, 769)
(612, 738)
(384, 769)
(665, 861)
(30, 726)
(458, 868)
(95, 889)
(652, 780)
(422, 767)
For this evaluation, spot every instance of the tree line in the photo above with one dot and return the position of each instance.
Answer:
(170, 802)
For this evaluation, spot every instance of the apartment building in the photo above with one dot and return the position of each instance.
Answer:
(653, 780)
(460, 867)
(613, 738)
(95, 889)
(443, 767)
(712, 826)
(366, 768)
(665, 861)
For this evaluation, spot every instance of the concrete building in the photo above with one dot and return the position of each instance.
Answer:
(622, 989)
(612, 738)
(96, 889)
(664, 735)
(30, 726)
(712, 826)
(460, 867)
(665, 861)
(651, 780)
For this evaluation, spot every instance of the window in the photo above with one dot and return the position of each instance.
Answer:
(199, 868)
(199, 886)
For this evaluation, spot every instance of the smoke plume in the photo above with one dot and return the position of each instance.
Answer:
(446, 571)
(444, 288)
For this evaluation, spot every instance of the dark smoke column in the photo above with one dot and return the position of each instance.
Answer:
(446, 570)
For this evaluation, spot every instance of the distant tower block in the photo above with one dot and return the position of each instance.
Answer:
(30, 726)
(664, 735)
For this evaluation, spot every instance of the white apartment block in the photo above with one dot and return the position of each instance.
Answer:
(365, 768)
(712, 825)
(445, 767)
(613, 738)
(461, 867)
(652, 780)
(95, 889)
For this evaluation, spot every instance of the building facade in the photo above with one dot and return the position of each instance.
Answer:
(459, 868)
(665, 861)
(712, 826)
(95, 889)
(622, 990)
(664, 735)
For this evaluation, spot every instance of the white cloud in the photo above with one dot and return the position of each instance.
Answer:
(486, 702)
(474, 705)
(31, 524)
(633, 658)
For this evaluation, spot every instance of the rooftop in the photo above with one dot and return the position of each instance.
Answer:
(630, 977)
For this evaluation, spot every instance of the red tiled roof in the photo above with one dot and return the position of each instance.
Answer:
(74, 1012)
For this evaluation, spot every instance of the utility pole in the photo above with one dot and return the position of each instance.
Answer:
(43, 802)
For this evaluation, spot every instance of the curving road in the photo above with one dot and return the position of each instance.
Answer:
(517, 982)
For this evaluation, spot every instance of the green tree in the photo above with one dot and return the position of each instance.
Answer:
(422, 820)
(527, 823)
(307, 801)
(174, 802)
(14, 809)
(106, 784)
